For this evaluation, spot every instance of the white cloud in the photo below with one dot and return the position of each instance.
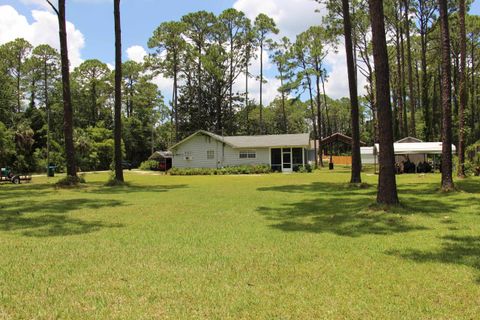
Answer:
(337, 85)
(43, 30)
(44, 4)
(136, 53)
(291, 16)
(165, 85)
(38, 3)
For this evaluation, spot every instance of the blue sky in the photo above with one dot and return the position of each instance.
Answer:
(92, 28)
(94, 19)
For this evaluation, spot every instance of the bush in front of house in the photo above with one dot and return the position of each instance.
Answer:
(235, 170)
(304, 169)
(149, 165)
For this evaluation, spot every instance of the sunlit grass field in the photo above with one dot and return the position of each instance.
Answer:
(298, 246)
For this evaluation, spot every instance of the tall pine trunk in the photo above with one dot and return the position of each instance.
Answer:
(352, 82)
(399, 116)
(247, 105)
(118, 93)
(262, 130)
(47, 107)
(447, 180)
(404, 93)
(175, 96)
(284, 109)
(425, 99)
(312, 109)
(387, 186)
(329, 128)
(319, 112)
(472, 90)
(463, 90)
(67, 96)
(411, 91)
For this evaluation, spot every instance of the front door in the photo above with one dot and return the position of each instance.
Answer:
(287, 160)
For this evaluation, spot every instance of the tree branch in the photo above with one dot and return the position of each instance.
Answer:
(53, 7)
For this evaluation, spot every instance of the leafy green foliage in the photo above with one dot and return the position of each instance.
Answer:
(234, 170)
(149, 165)
(70, 181)
(7, 147)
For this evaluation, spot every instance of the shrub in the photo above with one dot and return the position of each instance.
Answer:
(472, 164)
(305, 169)
(254, 169)
(149, 165)
(70, 181)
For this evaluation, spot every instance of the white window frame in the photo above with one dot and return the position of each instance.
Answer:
(247, 154)
(210, 154)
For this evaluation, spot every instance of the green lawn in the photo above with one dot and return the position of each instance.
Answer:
(299, 246)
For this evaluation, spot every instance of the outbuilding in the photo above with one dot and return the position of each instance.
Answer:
(408, 152)
(164, 159)
(415, 152)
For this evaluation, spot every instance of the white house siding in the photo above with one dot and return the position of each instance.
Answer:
(232, 157)
(197, 146)
(225, 156)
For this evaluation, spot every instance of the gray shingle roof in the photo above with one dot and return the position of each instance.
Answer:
(265, 141)
(279, 140)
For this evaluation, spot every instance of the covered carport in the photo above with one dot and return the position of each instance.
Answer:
(416, 153)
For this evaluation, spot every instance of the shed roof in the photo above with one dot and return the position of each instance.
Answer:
(159, 155)
(339, 137)
(408, 140)
(263, 141)
(417, 148)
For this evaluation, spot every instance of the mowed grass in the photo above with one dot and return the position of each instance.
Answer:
(299, 246)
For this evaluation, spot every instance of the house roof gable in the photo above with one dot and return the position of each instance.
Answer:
(264, 141)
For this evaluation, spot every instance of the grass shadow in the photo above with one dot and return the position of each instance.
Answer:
(53, 220)
(335, 208)
(469, 185)
(133, 188)
(32, 190)
(459, 250)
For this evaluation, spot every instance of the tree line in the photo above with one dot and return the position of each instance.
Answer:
(418, 58)
(205, 55)
(419, 70)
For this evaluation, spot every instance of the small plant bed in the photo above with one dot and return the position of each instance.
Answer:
(70, 182)
(260, 169)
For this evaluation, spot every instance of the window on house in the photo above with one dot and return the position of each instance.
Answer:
(210, 154)
(248, 154)
(188, 155)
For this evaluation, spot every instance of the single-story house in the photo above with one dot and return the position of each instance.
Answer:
(203, 149)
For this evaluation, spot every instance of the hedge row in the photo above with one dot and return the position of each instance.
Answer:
(257, 169)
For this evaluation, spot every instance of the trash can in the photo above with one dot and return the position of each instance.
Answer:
(330, 166)
(51, 171)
